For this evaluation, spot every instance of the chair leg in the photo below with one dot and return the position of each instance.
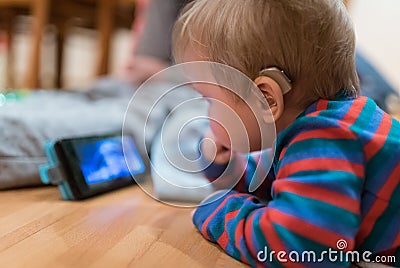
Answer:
(40, 14)
(10, 51)
(60, 54)
(105, 24)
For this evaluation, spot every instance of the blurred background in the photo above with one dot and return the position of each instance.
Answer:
(62, 43)
(378, 35)
(85, 39)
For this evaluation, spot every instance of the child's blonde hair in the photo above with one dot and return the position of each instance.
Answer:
(313, 41)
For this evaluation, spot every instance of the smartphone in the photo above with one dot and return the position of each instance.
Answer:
(87, 166)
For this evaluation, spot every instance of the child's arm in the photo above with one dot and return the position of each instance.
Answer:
(316, 203)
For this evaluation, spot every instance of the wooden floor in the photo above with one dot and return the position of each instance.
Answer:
(124, 228)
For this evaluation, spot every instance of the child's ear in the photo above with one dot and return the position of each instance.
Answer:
(272, 93)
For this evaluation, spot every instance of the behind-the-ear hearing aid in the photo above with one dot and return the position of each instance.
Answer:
(279, 77)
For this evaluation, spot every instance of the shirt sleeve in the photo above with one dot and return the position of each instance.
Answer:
(246, 173)
(315, 206)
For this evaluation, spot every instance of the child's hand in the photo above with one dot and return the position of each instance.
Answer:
(139, 68)
(213, 150)
(211, 198)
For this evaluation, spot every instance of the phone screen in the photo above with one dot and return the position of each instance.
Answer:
(104, 160)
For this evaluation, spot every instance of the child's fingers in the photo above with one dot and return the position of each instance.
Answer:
(223, 156)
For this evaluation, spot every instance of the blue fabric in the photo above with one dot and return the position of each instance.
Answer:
(373, 85)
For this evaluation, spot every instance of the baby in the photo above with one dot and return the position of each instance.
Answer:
(332, 196)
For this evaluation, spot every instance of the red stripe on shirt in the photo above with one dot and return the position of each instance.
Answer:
(321, 164)
(223, 239)
(239, 232)
(376, 144)
(369, 220)
(319, 194)
(353, 113)
(274, 240)
(283, 152)
(265, 224)
(321, 106)
(390, 185)
(396, 242)
(248, 231)
(326, 133)
(379, 206)
(308, 230)
(209, 218)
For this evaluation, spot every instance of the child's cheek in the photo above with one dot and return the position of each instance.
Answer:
(220, 133)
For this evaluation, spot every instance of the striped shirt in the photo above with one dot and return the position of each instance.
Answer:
(336, 187)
